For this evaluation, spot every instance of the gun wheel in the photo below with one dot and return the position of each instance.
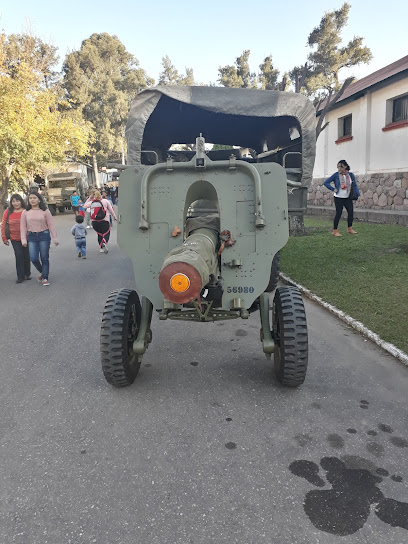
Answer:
(290, 335)
(120, 327)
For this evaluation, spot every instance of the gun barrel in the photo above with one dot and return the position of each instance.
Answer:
(187, 268)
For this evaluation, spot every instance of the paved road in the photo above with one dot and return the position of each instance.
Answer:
(206, 446)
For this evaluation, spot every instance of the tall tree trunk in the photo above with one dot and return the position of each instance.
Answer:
(5, 178)
(95, 169)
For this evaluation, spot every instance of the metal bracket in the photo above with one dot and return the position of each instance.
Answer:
(268, 343)
(144, 337)
(232, 162)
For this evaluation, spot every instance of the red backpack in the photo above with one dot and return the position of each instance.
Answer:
(98, 212)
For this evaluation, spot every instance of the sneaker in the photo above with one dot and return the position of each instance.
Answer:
(40, 278)
(19, 280)
(105, 248)
(88, 226)
(79, 254)
(84, 256)
(101, 251)
(45, 283)
(28, 276)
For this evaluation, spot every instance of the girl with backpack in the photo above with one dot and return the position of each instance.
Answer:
(100, 210)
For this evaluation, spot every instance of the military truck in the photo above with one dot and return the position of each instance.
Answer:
(204, 228)
(60, 187)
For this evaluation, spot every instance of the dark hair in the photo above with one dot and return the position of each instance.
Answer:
(74, 191)
(40, 198)
(16, 196)
(79, 219)
(344, 163)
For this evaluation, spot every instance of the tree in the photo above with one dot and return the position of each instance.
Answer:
(170, 75)
(238, 75)
(100, 80)
(319, 77)
(268, 76)
(37, 128)
(41, 57)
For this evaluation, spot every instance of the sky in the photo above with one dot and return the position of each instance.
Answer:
(207, 35)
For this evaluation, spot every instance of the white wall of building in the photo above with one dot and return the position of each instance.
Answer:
(371, 150)
(389, 149)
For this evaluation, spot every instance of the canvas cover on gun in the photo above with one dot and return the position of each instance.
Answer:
(162, 116)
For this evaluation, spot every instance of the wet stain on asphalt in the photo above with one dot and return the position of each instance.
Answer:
(396, 478)
(303, 439)
(194, 363)
(241, 332)
(335, 441)
(375, 449)
(344, 509)
(399, 442)
(385, 428)
(307, 470)
(316, 405)
(230, 445)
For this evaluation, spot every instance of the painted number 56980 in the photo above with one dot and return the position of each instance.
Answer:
(240, 289)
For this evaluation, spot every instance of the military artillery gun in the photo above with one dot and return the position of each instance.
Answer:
(204, 228)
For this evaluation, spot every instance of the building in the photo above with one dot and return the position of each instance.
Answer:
(368, 127)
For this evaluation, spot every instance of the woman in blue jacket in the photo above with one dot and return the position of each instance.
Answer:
(343, 181)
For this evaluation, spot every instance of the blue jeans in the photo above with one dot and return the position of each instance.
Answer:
(81, 245)
(22, 259)
(39, 248)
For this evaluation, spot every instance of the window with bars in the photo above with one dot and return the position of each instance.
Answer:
(400, 109)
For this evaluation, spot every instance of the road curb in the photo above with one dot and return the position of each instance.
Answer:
(357, 325)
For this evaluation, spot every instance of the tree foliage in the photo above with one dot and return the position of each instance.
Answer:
(39, 56)
(238, 74)
(269, 75)
(170, 75)
(37, 128)
(319, 76)
(100, 80)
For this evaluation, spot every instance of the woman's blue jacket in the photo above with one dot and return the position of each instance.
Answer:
(336, 179)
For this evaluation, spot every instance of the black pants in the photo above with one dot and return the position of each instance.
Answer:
(103, 230)
(22, 259)
(348, 204)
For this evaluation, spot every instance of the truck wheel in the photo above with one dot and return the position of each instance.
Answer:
(120, 327)
(290, 335)
(275, 271)
(61, 209)
(52, 208)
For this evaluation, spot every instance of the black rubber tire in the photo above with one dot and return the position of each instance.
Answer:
(275, 271)
(61, 209)
(120, 326)
(290, 335)
(53, 209)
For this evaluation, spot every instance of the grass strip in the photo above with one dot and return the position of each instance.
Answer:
(364, 275)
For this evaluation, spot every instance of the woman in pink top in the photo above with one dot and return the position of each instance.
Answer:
(36, 226)
(100, 210)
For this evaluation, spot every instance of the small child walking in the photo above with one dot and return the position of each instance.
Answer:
(79, 232)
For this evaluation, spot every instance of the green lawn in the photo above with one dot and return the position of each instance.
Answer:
(365, 275)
